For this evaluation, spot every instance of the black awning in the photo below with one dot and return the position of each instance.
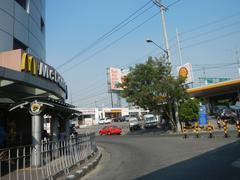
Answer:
(50, 106)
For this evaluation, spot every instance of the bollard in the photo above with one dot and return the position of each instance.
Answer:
(196, 128)
(210, 130)
(225, 128)
(238, 127)
(185, 132)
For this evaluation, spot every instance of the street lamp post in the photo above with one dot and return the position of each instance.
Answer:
(164, 50)
(169, 61)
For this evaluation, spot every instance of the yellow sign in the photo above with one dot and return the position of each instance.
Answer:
(116, 110)
(183, 72)
(28, 63)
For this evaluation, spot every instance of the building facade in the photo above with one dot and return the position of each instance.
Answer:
(22, 26)
(30, 89)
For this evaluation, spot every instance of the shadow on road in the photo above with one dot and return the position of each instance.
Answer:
(215, 164)
(147, 131)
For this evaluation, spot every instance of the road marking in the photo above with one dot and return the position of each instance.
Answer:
(236, 163)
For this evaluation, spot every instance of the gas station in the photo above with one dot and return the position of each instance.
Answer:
(219, 93)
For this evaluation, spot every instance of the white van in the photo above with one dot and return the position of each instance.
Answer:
(150, 121)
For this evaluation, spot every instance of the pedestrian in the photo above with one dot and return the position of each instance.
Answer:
(210, 129)
(196, 128)
(185, 131)
(225, 128)
(238, 127)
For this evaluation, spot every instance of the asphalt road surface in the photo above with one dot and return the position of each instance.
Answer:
(172, 157)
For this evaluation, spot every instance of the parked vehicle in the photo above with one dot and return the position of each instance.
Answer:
(150, 121)
(104, 121)
(227, 114)
(101, 121)
(110, 130)
(125, 118)
(218, 109)
(108, 120)
(134, 123)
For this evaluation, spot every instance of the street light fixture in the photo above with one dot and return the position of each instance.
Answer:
(164, 50)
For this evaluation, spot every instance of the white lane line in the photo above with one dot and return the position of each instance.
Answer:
(236, 163)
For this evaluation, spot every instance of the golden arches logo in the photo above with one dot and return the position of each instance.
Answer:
(28, 63)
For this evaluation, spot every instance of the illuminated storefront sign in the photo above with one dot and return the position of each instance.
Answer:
(41, 69)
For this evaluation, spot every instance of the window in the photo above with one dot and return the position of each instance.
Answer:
(42, 25)
(22, 3)
(19, 45)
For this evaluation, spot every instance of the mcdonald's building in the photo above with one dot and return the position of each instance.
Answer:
(30, 91)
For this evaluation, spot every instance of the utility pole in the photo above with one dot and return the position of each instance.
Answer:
(111, 98)
(179, 48)
(162, 11)
(238, 62)
(71, 96)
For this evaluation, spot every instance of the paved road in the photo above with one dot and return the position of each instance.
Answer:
(154, 157)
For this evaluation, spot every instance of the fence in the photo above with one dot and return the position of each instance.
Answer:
(56, 158)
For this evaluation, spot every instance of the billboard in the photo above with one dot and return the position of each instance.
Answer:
(114, 78)
(186, 72)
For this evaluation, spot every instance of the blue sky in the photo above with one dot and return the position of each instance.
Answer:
(209, 33)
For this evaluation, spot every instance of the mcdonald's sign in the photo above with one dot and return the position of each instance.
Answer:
(38, 68)
(29, 64)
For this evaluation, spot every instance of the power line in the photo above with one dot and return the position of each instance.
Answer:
(211, 31)
(93, 83)
(210, 23)
(207, 24)
(173, 3)
(90, 87)
(98, 100)
(109, 33)
(211, 39)
(89, 97)
(112, 43)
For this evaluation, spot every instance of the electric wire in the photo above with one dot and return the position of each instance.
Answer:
(210, 23)
(211, 31)
(211, 39)
(109, 33)
(112, 43)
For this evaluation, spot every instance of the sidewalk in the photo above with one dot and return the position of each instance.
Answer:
(84, 168)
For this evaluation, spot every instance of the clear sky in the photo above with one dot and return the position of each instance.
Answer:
(209, 32)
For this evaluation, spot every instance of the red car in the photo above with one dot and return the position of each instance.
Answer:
(109, 130)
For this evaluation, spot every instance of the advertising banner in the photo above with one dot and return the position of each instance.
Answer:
(202, 118)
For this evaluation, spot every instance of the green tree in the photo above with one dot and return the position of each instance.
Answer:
(188, 111)
(152, 86)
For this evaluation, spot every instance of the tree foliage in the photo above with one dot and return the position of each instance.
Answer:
(188, 110)
(152, 86)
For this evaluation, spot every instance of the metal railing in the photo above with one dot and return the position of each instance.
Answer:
(57, 158)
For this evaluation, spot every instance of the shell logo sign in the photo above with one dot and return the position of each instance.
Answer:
(185, 71)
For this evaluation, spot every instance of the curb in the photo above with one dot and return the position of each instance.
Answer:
(88, 167)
